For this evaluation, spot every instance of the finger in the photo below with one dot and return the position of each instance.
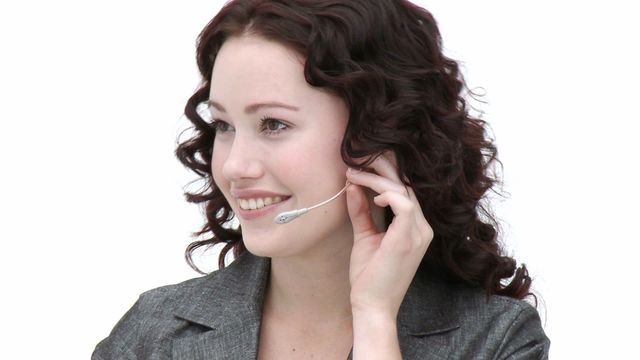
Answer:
(377, 183)
(408, 216)
(386, 165)
(404, 210)
(400, 205)
(358, 208)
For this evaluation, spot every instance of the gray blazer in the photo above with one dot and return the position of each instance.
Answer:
(218, 317)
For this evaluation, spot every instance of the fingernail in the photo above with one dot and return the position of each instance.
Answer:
(353, 171)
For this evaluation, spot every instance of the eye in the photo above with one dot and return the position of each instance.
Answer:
(272, 126)
(220, 126)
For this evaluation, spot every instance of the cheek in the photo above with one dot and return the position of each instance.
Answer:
(327, 153)
(319, 166)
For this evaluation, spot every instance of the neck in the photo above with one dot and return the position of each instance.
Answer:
(310, 290)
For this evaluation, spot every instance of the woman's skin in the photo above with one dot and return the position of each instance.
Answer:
(336, 280)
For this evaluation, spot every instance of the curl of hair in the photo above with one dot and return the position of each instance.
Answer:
(384, 59)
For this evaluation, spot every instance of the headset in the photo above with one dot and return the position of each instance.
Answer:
(285, 217)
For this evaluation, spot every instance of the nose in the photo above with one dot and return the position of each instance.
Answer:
(243, 160)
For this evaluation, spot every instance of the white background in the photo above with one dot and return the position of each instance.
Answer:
(92, 213)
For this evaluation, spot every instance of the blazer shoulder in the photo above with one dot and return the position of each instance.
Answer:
(149, 325)
(165, 314)
(507, 328)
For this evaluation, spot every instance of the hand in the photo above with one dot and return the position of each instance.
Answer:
(383, 264)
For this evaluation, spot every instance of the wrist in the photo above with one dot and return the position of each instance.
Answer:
(373, 317)
(370, 323)
(375, 335)
(376, 311)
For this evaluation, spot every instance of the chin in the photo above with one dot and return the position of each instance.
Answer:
(303, 237)
(266, 245)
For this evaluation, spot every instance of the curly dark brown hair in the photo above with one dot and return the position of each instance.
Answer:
(384, 58)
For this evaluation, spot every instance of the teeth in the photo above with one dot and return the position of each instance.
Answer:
(253, 204)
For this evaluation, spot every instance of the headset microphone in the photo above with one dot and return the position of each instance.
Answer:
(287, 216)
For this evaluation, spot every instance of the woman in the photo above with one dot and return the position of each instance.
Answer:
(307, 99)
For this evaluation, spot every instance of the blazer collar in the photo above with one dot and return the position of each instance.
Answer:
(229, 303)
(237, 290)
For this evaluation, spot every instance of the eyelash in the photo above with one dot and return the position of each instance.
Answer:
(217, 125)
(266, 120)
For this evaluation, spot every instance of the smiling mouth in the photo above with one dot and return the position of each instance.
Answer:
(259, 203)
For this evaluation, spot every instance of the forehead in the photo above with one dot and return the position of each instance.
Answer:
(251, 69)
(252, 66)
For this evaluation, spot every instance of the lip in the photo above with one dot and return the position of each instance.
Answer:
(266, 210)
(254, 193)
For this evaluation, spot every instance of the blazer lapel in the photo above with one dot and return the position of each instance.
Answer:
(236, 340)
(425, 313)
(225, 313)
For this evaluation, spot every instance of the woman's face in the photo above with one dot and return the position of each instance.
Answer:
(278, 143)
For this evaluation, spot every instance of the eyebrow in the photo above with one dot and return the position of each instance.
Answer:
(250, 109)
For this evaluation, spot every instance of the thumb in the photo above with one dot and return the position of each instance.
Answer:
(358, 208)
